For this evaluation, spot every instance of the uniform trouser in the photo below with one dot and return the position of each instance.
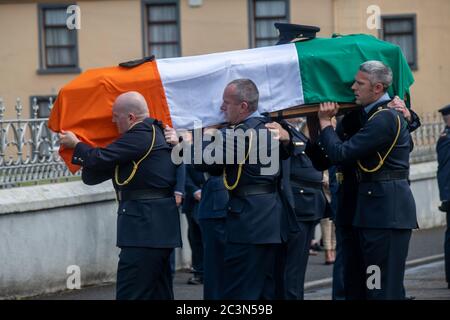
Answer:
(249, 271)
(297, 254)
(354, 275)
(144, 274)
(196, 243)
(214, 238)
(386, 249)
(447, 249)
(338, 290)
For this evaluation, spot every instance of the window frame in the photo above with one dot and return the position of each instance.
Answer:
(43, 68)
(400, 17)
(144, 17)
(252, 19)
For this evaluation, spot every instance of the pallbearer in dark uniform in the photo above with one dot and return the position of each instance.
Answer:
(194, 193)
(385, 208)
(212, 213)
(139, 163)
(354, 275)
(256, 224)
(443, 176)
(303, 186)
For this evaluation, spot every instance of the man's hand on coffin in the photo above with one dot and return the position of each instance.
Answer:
(399, 105)
(278, 132)
(170, 134)
(327, 111)
(68, 139)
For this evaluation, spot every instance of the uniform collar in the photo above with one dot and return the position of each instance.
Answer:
(253, 115)
(384, 98)
(147, 121)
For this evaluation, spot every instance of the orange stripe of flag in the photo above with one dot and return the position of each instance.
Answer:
(84, 106)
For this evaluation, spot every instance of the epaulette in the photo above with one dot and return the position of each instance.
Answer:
(382, 108)
(249, 123)
(298, 143)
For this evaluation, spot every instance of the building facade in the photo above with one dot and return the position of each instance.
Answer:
(39, 54)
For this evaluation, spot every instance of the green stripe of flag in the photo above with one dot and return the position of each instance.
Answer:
(328, 66)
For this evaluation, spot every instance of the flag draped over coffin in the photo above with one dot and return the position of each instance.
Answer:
(181, 91)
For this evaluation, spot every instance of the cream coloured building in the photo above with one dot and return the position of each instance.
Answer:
(39, 54)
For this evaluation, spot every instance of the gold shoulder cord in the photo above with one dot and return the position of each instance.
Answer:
(380, 164)
(135, 164)
(225, 182)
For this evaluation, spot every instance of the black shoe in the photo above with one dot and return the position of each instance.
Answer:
(448, 285)
(195, 280)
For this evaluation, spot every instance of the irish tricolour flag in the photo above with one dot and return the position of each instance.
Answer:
(182, 91)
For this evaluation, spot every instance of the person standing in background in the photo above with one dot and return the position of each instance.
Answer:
(443, 176)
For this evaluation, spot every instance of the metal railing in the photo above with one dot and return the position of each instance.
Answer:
(426, 137)
(29, 150)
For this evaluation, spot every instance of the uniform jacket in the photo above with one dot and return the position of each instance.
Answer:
(214, 202)
(254, 219)
(380, 204)
(309, 203)
(443, 174)
(140, 223)
(347, 184)
(194, 182)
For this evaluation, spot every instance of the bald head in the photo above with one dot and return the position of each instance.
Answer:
(128, 109)
(132, 102)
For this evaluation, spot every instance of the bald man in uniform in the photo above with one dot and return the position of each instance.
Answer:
(144, 177)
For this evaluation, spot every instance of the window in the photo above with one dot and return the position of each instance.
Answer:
(161, 29)
(58, 44)
(263, 15)
(401, 30)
